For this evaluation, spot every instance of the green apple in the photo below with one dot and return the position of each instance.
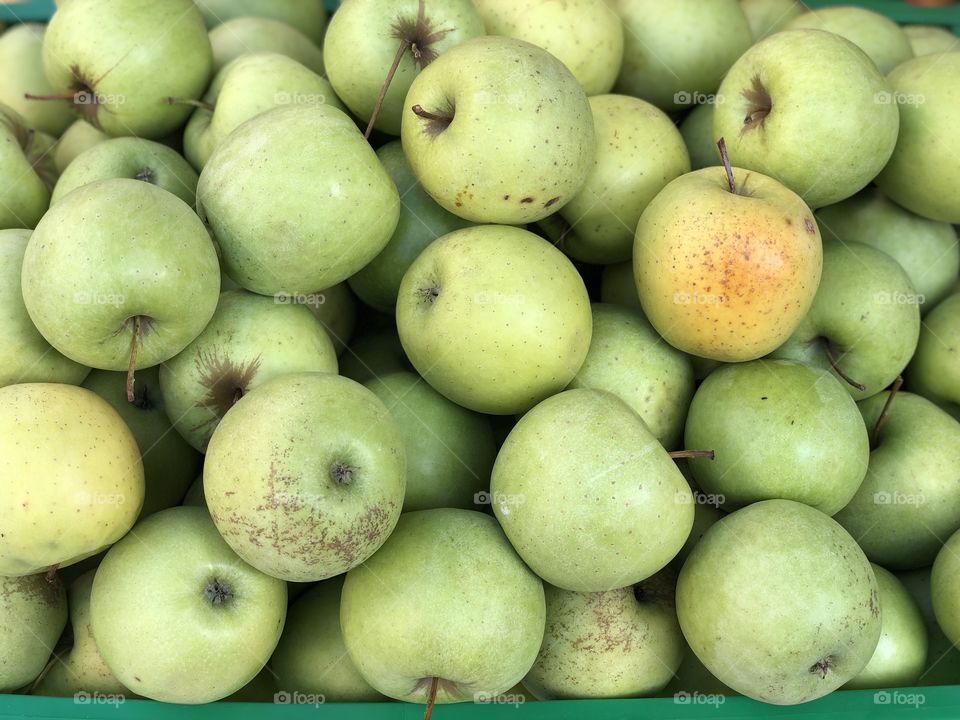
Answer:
(929, 39)
(499, 131)
(249, 340)
(194, 495)
(445, 601)
(73, 478)
(779, 603)
(586, 35)
(132, 158)
(24, 355)
(249, 34)
(865, 319)
(810, 109)
(922, 175)
(697, 133)
(305, 476)
(169, 463)
(450, 450)
(478, 299)
(143, 277)
(421, 222)
(926, 249)
(33, 613)
(307, 162)
(116, 62)
(673, 51)
(309, 17)
(177, 616)
(80, 136)
(880, 38)
(628, 358)
(311, 658)
(22, 48)
(639, 151)
(375, 355)
(247, 87)
(943, 659)
(779, 429)
(909, 500)
(706, 513)
(617, 643)
(24, 156)
(769, 16)
(639, 510)
(368, 38)
(934, 372)
(944, 579)
(79, 668)
(901, 653)
(336, 309)
(726, 275)
(617, 286)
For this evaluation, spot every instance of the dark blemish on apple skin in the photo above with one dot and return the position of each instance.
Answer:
(527, 200)
(506, 197)
(789, 222)
(811, 228)
(551, 201)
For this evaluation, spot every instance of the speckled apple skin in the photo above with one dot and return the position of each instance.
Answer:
(33, 613)
(726, 276)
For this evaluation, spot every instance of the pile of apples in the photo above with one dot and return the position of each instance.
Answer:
(495, 351)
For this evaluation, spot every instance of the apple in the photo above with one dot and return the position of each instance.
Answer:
(901, 653)
(309, 17)
(24, 155)
(880, 38)
(779, 603)
(909, 500)
(944, 591)
(618, 643)
(247, 87)
(305, 476)
(943, 659)
(586, 35)
(73, 478)
(169, 463)
(79, 668)
(921, 175)
(692, 679)
(779, 429)
(116, 62)
(336, 309)
(810, 109)
(249, 340)
(21, 48)
(311, 658)
(307, 162)
(249, 34)
(142, 279)
(929, 39)
(477, 299)
(33, 613)
(372, 44)
(864, 321)
(627, 358)
(472, 613)
(676, 50)
(769, 16)
(375, 355)
(933, 372)
(498, 131)
(926, 249)
(697, 133)
(421, 222)
(132, 158)
(629, 508)
(706, 513)
(177, 616)
(80, 136)
(617, 286)
(24, 355)
(639, 151)
(726, 275)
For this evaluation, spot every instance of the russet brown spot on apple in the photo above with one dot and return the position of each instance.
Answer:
(226, 382)
(759, 105)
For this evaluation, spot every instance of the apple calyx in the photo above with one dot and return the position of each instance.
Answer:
(759, 105)
(218, 592)
(225, 380)
(193, 103)
(436, 122)
(51, 575)
(429, 294)
(837, 369)
(145, 175)
(678, 454)
(875, 436)
(341, 473)
(822, 666)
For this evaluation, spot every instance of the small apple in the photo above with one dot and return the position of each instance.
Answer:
(944, 588)
(33, 613)
(249, 34)
(934, 372)
(769, 16)
(697, 132)
(80, 136)
(309, 17)
(499, 131)
(21, 47)
(177, 616)
(930, 39)
(943, 659)
(24, 155)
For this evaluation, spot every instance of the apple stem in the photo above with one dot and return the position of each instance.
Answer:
(839, 371)
(64, 96)
(427, 115)
(195, 103)
(431, 697)
(52, 573)
(404, 45)
(875, 438)
(131, 366)
(721, 143)
(677, 454)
